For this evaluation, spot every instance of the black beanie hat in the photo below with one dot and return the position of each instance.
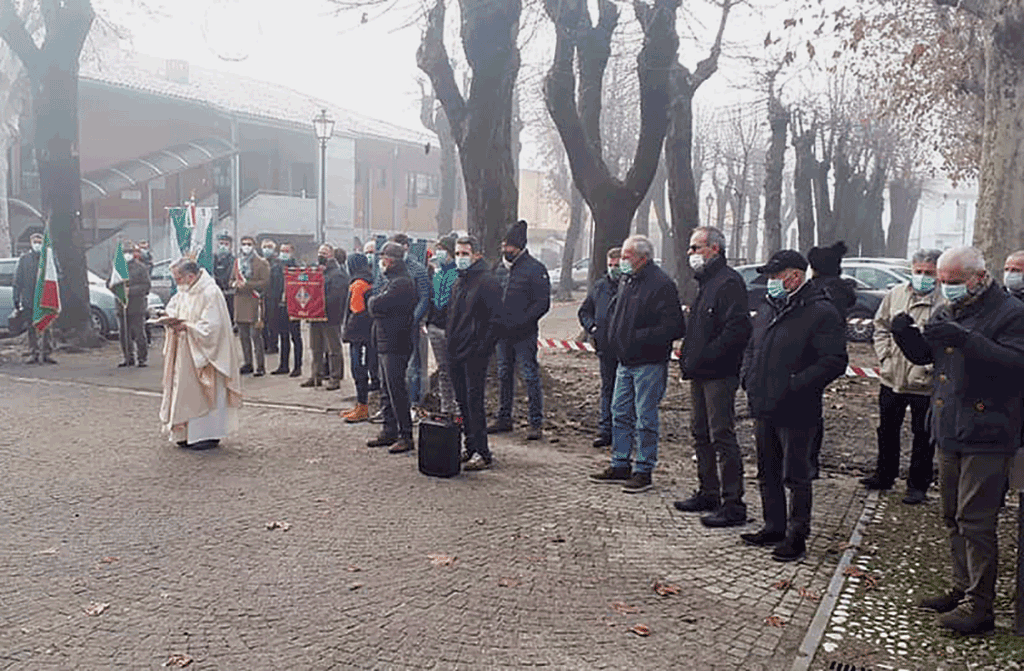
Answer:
(826, 261)
(516, 235)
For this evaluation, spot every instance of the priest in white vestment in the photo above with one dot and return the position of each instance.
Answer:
(202, 389)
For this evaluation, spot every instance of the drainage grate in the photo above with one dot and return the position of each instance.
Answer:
(843, 666)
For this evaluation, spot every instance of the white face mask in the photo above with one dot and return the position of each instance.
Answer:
(1014, 280)
(127, 258)
(37, 246)
(463, 262)
(246, 249)
(267, 252)
(441, 255)
(697, 262)
(286, 256)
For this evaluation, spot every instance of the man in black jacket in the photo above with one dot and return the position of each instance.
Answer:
(223, 271)
(527, 298)
(290, 331)
(1013, 274)
(976, 343)
(716, 334)
(392, 311)
(593, 316)
(326, 335)
(797, 348)
(474, 319)
(25, 274)
(645, 320)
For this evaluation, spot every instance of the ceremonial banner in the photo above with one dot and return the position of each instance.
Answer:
(304, 291)
(46, 306)
(193, 233)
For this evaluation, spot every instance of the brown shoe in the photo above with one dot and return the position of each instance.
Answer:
(401, 445)
(360, 413)
(968, 619)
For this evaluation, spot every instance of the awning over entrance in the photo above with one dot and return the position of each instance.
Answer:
(133, 173)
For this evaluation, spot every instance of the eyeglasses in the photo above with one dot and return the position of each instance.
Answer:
(697, 248)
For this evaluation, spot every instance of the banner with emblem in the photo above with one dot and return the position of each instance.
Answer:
(304, 292)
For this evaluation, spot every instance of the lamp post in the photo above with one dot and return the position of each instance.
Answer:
(710, 201)
(323, 127)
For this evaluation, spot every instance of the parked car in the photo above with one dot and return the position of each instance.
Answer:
(868, 300)
(580, 274)
(875, 274)
(161, 280)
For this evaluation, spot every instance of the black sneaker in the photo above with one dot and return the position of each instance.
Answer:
(874, 482)
(602, 441)
(500, 427)
(280, 371)
(478, 463)
(698, 503)
(245, 370)
(763, 538)
(725, 517)
(143, 364)
(968, 619)
(297, 372)
(790, 549)
(126, 363)
(914, 497)
(466, 456)
(942, 603)
(639, 482)
(614, 475)
(382, 441)
(259, 372)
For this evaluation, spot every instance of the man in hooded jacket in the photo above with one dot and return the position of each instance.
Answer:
(594, 316)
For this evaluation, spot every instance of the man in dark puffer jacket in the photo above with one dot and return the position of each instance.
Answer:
(976, 343)
(593, 316)
(797, 348)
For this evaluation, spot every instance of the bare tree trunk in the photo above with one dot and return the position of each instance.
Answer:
(778, 118)
(823, 201)
(436, 121)
(668, 248)
(572, 238)
(642, 220)
(904, 196)
(6, 141)
(999, 222)
(757, 184)
(803, 189)
(482, 122)
(874, 207)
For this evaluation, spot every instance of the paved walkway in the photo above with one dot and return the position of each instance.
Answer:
(380, 567)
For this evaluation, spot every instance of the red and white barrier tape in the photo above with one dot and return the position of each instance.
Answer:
(572, 345)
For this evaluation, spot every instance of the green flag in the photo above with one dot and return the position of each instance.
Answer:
(119, 276)
(182, 229)
(205, 258)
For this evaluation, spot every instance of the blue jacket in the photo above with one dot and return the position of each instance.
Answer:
(527, 296)
(596, 311)
(444, 277)
(422, 281)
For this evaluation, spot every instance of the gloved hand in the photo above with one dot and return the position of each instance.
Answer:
(947, 333)
(901, 322)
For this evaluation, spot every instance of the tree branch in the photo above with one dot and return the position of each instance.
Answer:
(432, 58)
(709, 65)
(13, 32)
(978, 8)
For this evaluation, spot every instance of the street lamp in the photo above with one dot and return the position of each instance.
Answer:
(323, 127)
(710, 201)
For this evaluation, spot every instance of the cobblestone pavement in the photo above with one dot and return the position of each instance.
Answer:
(379, 567)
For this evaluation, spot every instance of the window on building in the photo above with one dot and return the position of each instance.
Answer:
(961, 212)
(383, 183)
(427, 185)
(411, 192)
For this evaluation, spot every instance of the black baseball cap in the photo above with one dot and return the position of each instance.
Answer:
(784, 259)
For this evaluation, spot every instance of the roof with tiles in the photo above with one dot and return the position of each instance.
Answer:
(236, 94)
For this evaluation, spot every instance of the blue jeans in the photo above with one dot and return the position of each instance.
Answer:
(638, 391)
(413, 373)
(360, 372)
(524, 351)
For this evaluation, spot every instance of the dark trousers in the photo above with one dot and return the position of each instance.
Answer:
(373, 365)
(133, 330)
(468, 380)
(39, 345)
(229, 298)
(325, 339)
(608, 364)
(972, 488)
(360, 371)
(713, 427)
(783, 462)
(394, 399)
(252, 341)
(892, 408)
(290, 333)
(524, 352)
(270, 336)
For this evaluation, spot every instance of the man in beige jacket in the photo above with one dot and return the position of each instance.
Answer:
(905, 384)
(250, 280)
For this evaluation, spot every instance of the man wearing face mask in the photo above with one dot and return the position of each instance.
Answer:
(976, 343)
(445, 274)
(717, 332)
(1013, 274)
(326, 335)
(133, 316)
(290, 331)
(474, 318)
(527, 298)
(593, 316)
(223, 271)
(251, 277)
(420, 277)
(905, 384)
(24, 299)
(269, 252)
(393, 320)
(797, 347)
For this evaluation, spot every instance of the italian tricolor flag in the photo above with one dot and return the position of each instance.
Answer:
(46, 306)
(119, 276)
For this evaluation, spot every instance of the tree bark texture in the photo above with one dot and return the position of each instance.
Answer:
(775, 160)
(803, 187)
(572, 240)
(435, 120)
(612, 201)
(53, 73)
(481, 122)
(904, 197)
(754, 225)
(999, 221)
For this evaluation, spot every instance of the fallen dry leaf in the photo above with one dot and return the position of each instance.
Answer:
(810, 595)
(353, 569)
(509, 582)
(775, 621)
(640, 629)
(854, 572)
(95, 609)
(354, 586)
(782, 585)
(109, 560)
(277, 524)
(178, 660)
(441, 560)
(664, 589)
(623, 608)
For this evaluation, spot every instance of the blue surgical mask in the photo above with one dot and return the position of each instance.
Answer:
(615, 273)
(954, 292)
(463, 262)
(625, 267)
(776, 288)
(923, 284)
(441, 255)
(1014, 280)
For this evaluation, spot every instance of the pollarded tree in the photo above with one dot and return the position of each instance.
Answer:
(612, 201)
(433, 118)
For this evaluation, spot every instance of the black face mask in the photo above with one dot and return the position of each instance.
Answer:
(510, 256)
(321, 260)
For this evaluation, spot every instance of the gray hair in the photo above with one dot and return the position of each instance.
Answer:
(474, 246)
(712, 236)
(185, 266)
(639, 244)
(926, 256)
(1015, 256)
(968, 259)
